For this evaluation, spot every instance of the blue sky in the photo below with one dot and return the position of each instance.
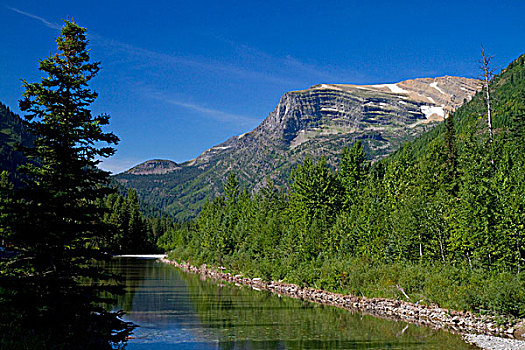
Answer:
(181, 76)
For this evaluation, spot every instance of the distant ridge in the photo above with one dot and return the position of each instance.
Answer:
(154, 167)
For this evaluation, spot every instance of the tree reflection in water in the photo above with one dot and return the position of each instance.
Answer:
(177, 310)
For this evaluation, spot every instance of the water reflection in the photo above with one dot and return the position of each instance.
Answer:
(177, 310)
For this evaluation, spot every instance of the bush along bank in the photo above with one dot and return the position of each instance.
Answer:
(426, 315)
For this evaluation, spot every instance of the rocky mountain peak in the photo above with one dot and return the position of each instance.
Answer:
(345, 108)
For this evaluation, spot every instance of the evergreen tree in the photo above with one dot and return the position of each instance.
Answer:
(135, 238)
(314, 201)
(517, 125)
(6, 197)
(451, 152)
(352, 170)
(231, 188)
(58, 219)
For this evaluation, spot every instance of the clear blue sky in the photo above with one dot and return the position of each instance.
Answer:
(181, 76)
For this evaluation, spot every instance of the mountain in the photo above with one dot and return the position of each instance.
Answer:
(319, 121)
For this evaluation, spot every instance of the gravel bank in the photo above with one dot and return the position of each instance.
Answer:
(489, 342)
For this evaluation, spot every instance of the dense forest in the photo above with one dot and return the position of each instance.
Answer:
(134, 227)
(443, 217)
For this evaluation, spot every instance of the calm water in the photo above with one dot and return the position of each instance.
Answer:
(177, 310)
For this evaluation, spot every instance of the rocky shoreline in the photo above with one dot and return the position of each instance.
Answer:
(490, 342)
(473, 327)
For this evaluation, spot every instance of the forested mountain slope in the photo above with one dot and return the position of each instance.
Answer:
(318, 121)
(11, 132)
(508, 94)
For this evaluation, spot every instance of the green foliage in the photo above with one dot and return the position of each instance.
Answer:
(314, 201)
(54, 221)
(6, 199)
(352, 172)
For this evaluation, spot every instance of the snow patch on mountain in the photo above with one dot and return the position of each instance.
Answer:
(393, 87)
(435, 86)
(429, 110)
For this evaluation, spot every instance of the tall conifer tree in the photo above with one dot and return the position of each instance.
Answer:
(58, 215)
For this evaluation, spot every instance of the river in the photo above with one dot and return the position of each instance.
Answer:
(179, 310)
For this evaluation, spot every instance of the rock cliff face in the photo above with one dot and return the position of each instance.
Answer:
(319, 121)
